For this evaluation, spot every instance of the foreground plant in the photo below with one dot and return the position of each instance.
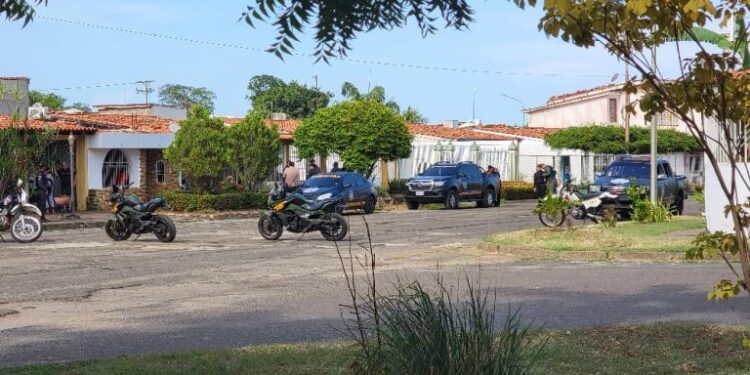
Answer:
(417, 331)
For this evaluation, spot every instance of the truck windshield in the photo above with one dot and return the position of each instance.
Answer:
(628, 170)
(440, 171)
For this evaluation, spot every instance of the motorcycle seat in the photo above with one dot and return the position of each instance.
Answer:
(149, 206)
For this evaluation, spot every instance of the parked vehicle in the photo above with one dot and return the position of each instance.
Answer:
(299, 215)
(24, 220)
(352, 189)
(671, 188)
(452, 183)
(591, 206)
(132, 216)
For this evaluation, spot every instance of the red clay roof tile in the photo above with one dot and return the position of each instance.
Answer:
(530, 132)
(127, 123)
(61, 125)
(455, 134)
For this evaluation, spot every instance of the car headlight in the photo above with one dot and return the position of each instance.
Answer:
(439, 183)
(325, 196)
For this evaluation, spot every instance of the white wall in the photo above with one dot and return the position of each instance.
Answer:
(96, 162)
(716, 200)
(108, 140)
(423, 154)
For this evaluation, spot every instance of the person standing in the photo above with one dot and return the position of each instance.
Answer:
(550, 176)
(290, 177)
(540, 183)
(335, 167)
(49, 183)
(312, 168)
(40, 196)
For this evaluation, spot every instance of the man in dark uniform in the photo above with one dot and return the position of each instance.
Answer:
(540, 182)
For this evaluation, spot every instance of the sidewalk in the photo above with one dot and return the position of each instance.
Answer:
(97, 219)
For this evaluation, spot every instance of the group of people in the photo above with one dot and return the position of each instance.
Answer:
(545, 180)
(290, 175)
(47, 185)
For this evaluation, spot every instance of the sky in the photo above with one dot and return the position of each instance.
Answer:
(504, 39)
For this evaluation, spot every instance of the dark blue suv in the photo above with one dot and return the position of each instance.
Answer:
(451, 183)
(351, 188)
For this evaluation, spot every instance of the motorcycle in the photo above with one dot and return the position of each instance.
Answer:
(22, 218)
(593, 206)
(299, 215)
(130, 215)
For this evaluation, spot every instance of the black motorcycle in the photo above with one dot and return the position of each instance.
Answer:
(300, 215)
(22, 218)
(131, 216)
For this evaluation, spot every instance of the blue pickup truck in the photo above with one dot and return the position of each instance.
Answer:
(618, 176)
(451, 183)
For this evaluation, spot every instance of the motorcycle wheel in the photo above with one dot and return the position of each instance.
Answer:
(117, 230)
(164, 228)
(26, 228)
(335, 229)
(552, 220)
(270, 227)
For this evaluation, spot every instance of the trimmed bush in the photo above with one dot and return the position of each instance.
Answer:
(397, 186)
(516, 190)
(180, 201)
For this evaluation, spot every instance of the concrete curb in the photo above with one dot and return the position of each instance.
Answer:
(178, 217)
(587, 255)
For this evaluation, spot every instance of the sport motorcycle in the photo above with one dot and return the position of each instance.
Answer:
(300, 215)
(132, 216)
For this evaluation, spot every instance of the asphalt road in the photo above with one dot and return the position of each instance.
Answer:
(77, 295)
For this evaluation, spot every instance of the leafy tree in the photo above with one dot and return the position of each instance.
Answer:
(336, 23)
(412, 115)
(361, 132)
(199, 149)
(20, 9)
(52, 101)
(377, 94)
(269, 94)
(254, 150)
(186, 96)
(23, 147)
(608, 140)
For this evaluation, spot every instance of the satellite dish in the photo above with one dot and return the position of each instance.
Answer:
(174, 127)
(37, 111)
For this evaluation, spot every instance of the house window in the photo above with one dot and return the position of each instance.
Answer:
(160, 172)
(613, 110)
(116, 169)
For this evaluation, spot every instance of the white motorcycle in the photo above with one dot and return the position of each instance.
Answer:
(24, 220)
(579, 206)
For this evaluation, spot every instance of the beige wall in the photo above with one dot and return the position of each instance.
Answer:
(594, 110)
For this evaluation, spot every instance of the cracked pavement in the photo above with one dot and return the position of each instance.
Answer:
(77, 295)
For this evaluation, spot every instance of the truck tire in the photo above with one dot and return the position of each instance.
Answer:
(412, 205)
(451, 200)
(488, 199)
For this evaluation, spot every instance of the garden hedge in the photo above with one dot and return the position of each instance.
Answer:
(515, 190)
(180, 201)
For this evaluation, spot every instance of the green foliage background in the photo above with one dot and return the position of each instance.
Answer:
(610, 140)
(361, 132)
(254, 150)
(268, 94)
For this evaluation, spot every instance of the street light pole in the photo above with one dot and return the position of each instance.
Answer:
(653, 187)
(523, 107)
(71, 143)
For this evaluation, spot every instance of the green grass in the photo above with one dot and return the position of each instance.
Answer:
(666, 349)
(672, 237)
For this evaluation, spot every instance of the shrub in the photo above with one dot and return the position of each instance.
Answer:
(180, 201)
(441, 333)
(609, 218)
(515, 190)
(397, 186)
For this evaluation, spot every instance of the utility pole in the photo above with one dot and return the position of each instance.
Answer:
(654, 176)
(316, 81)
(474, 104)
(146, 90)
(626, 115)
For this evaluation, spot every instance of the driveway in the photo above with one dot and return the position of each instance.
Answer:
(77, 295)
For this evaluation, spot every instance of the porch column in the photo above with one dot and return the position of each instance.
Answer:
(384, 174)
(81, 169)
